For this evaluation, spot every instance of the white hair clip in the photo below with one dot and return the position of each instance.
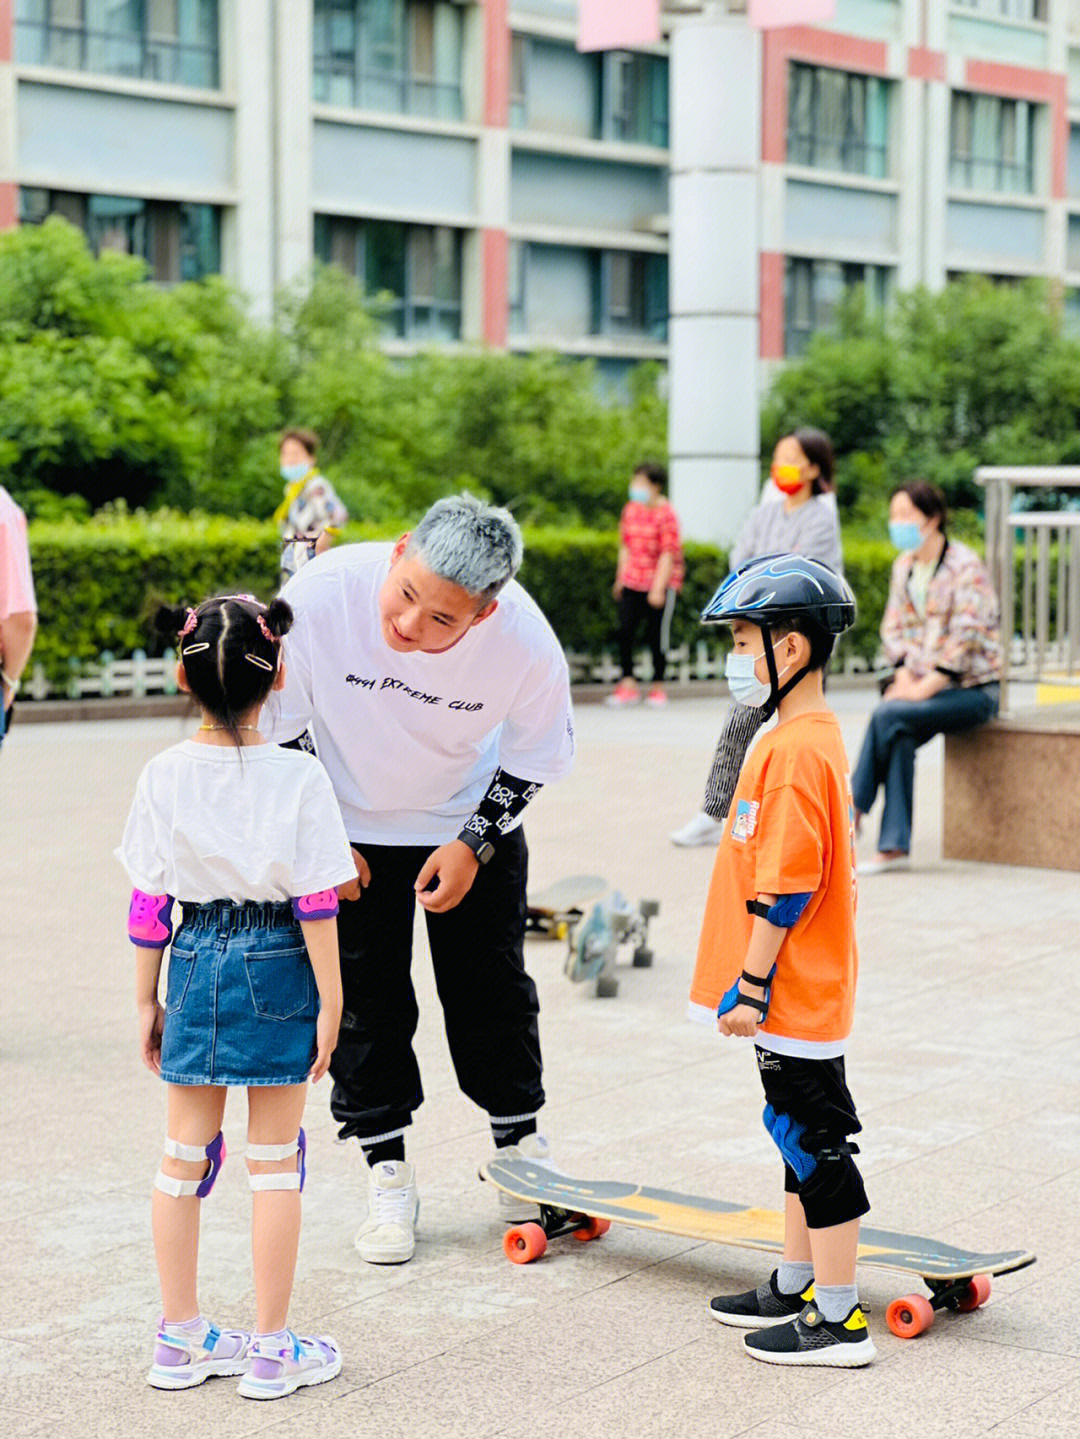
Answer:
(194, 649)
(258, 660)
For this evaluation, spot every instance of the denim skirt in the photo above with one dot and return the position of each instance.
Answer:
(241, 1000)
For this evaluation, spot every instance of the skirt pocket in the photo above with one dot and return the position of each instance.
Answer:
(181, 968)
(281, 982)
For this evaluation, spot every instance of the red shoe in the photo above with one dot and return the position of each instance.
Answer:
(657, 697)
(624, 693)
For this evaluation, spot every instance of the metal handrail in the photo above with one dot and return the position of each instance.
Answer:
(1045, 649)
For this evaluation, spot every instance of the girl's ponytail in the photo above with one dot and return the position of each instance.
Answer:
(169, 620)
(279, 617)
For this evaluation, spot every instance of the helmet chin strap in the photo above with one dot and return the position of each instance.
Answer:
(777, 691)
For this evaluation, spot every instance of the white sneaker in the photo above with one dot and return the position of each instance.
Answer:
(702, 829)
(535, 1148)
(387, 1234)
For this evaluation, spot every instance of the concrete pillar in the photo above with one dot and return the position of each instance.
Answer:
(9, 208)
(248, 55)
(294, 137)
(714, 333)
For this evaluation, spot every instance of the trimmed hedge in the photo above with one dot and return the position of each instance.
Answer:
(99, 582)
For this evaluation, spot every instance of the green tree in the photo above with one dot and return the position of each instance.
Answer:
(978, 373)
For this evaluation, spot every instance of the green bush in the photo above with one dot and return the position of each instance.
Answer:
(99, 582)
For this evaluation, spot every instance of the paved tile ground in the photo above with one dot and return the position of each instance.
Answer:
(965, 1065)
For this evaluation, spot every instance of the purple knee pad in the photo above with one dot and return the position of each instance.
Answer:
(323, 904)
(301, 1146)
(150, 919)
(215, 1152)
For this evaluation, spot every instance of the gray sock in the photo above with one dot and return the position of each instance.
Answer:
(793, 1275)
(836, 1301)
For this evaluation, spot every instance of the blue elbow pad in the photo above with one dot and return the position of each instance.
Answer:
(786, 912)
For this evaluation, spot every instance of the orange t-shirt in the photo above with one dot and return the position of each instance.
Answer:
(790, 830)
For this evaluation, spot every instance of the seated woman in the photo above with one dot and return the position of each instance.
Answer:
(941, 635)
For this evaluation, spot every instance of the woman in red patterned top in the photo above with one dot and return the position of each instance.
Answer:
(648, 576)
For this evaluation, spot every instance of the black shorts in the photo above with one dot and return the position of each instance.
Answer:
(814, 1093)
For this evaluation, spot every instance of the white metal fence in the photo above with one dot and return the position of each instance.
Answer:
(138, 676)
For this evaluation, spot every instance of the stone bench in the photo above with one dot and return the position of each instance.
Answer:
(1012, 790)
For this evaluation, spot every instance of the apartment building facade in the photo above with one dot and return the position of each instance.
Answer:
(459, 156)
(462, 157)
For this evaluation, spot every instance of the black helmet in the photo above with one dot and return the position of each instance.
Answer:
(776, 587)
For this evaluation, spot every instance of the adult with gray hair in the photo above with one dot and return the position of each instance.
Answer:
(437, 697)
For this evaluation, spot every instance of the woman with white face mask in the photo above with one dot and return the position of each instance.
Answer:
(941, 634)
(797, 515)
(310, 513)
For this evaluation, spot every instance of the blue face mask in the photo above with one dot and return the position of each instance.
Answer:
(905, 535)
(641, 493)
(291, 473)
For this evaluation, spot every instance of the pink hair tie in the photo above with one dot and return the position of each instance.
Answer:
(190, 621)
(274, 639)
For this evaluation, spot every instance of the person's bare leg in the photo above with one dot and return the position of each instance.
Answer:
(274, 1115)
(195, 1114)
(834, 1251)
(796, 1235)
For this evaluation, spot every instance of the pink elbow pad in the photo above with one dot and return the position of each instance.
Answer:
(149, 919)
(321, 905)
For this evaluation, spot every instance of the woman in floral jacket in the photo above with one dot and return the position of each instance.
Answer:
(941, 634)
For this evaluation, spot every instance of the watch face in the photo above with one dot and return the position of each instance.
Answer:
(484, 853)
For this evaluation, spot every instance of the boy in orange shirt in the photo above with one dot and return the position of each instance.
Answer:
(777, 960)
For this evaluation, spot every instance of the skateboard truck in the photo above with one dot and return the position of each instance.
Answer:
(914, 1313)
(526, 1242)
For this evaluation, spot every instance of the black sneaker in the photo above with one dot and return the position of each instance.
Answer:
(812, 1339)
(759, 1307)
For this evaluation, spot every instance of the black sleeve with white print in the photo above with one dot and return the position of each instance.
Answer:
(502, 806)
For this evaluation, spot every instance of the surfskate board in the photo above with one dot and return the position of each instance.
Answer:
(958, 1279)
(595, 921)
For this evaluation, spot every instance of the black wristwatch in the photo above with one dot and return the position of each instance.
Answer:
(482, 848)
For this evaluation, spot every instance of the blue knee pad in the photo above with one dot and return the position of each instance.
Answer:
(786, 1134)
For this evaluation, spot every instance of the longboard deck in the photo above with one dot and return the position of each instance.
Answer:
(719, 1222)
(574, 892)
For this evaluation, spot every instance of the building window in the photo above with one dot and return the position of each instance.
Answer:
(413, 272)
(1008, 9)
(519, 70)
(172, 41)
(635, 99)
(398, 55)
(813, 290)
(630, 290)
(178, 241)
(992, 144)
(838, 121)
(516, 288)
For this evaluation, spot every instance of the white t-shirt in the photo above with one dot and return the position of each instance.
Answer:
(411, 741)
(207, 824)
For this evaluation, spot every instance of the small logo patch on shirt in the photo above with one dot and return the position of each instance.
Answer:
(745, 822)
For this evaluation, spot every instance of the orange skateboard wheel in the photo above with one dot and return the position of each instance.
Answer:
(592, 1228)
(977, 1293)
(909, 1316)
(524, 1243)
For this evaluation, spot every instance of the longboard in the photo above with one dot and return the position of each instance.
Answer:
(957, 1278)
(563, 903)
